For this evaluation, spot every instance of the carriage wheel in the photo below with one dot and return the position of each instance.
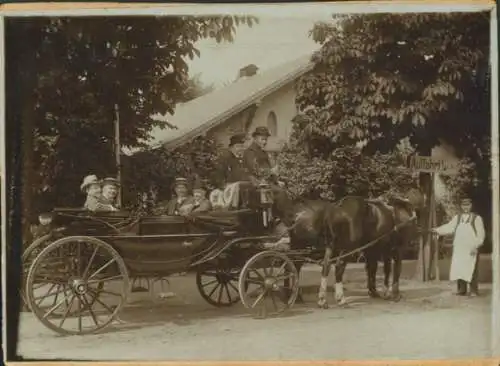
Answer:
(268, 283)
(86, 284)
(218, 286)
(27, 259)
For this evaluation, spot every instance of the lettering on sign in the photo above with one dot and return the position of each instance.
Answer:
(432, 165)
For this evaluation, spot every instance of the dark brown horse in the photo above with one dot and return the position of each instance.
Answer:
(352, 225)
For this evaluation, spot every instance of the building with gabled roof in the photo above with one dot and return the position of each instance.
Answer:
(254, 99)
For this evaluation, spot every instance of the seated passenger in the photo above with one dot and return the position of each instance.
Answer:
(94, 202)
(201, 202)
(182, 204)
(110, 187)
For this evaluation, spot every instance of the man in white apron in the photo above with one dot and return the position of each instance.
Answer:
(468, 230)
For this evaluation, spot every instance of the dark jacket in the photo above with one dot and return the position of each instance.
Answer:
(231, 169)
(257, 161)
(175, 208)
(98, 204)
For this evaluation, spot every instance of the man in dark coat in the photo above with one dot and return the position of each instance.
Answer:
(231, 167)
(256, 157)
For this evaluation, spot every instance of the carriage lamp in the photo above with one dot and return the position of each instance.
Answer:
(45, 219)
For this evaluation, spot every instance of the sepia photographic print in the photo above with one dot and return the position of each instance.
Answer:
(292, 182)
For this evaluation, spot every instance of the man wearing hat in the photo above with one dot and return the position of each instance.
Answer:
(256, 157)
(201, 202)
(182, 203)
(468, 230)
(110, 187)
(231, 167)
(95, 201)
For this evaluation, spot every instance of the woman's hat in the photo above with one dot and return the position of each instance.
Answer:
(180, 182)
(261, 131)
(238, 138)
(110, 182)
(88, 180)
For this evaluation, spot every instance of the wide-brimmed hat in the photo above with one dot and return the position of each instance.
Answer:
(110, 182)
(88, 180)
(261, 131)
(238, 138)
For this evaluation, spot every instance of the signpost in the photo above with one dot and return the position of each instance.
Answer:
(432, 166)
(118, 153)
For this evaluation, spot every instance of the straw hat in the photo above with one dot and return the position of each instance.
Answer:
(110, 181)
(87, 181)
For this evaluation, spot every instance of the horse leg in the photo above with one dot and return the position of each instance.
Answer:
(387, 273)
(339, 286)
(371, 271)
(398, 261)
(325, 271)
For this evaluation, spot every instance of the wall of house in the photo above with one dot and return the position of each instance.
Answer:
(280, 104)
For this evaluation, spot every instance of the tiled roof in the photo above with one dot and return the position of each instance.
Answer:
(201, 114)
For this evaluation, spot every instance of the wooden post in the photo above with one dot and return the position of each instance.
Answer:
(118, 154)
(433, 223)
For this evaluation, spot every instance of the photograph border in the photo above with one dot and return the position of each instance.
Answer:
(291, 10)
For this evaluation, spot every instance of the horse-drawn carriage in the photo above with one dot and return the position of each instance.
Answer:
(78, 276)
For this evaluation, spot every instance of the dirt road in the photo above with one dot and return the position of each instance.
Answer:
(428, 323)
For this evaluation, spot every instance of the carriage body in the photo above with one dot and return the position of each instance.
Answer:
(84, 252)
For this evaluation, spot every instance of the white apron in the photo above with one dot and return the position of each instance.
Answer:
(462, 260)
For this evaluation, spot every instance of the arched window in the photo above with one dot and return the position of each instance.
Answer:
(272, 123)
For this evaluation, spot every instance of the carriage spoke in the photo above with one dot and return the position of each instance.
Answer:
(213, 290)
(255, 281)
(92, 314)
(112, 278)
(57, 295)
(227, 291)
(233, 286)
(54, 308)
(257, 273)
(211, 282)
(274, 301)
(47, 294)
(221, 291)
(87, 269)
(281, 269)
(102, 268)
(68, 309)
(79, 259)
(261, 296)
(79, 310)
(96, 298)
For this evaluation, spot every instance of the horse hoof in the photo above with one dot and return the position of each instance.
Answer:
(374, 294)
(396, 297)
(322, 304)
(342, 303)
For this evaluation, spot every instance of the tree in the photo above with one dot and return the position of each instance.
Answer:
(383, 77)
(195, 88)
(67, 76)
(379, 78)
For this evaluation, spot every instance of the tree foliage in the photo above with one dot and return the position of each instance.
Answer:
(195, 88)
(66, 76)
(346, 171)
(383, 77)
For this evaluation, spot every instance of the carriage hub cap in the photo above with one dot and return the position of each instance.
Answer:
(270, 283)
(79, 286)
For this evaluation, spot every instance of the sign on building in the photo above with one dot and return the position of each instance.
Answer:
(428, 164)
